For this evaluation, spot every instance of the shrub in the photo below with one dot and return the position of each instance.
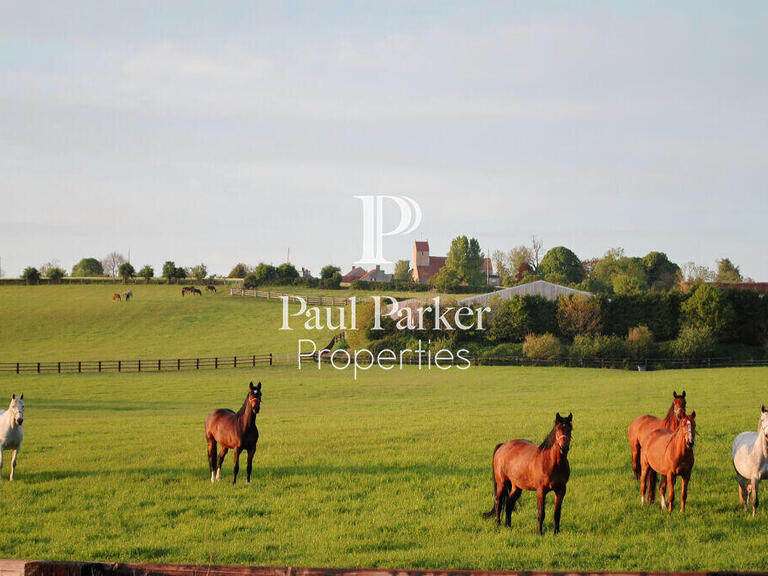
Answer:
(250, 281)
(659, 311)
(709, 308)
(598, 346)
(578, 315)
(88, 267)
(544, 347)
(508, 321)
(639, 342)
(55, 274)
(694, 342)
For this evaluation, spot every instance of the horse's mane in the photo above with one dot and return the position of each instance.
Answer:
(670, 417)
(549, 441)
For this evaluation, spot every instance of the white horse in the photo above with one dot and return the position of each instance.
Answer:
(11, 433)
(750, 459)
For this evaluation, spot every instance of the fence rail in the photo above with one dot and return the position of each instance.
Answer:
(156, 365)
(311, 300)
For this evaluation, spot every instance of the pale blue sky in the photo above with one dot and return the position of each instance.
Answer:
(228, 132)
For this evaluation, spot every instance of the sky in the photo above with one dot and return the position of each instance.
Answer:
(239, 131)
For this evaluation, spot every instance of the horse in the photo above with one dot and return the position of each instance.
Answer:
(11, 432)
(644, 425)
(195, 290)
(235, 430)
(115, 296)
(522, 465)
(127, 295)
(670, 453)
(210, 288)
(750, 460)
(186, 289)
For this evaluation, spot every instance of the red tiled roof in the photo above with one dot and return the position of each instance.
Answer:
(435, 264)
(422, 246)
(355, 274)
(761, 287)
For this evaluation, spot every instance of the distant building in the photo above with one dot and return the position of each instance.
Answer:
(541, 288)
(305, 273)
(376, 275)
(424, 266)
(761, 287)
(355, 274)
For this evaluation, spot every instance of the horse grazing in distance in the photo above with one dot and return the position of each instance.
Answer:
(11, 432)
(644, 425)
(750, 459)
(115, 296)
(671, 455)
(186, 290)
(195, 290)
(127, 295)
(210, 288)
(234, 430)
(522, 465)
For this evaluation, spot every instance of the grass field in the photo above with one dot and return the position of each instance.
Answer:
(391, 470)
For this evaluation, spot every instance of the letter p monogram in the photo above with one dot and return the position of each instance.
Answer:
(373, 225)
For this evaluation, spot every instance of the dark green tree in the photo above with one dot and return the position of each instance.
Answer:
(402, 271)
(727, 272)
(560, 265)
(55, 274)
(88, 267)
(239, 271)
(31, 275)
(147, 272)
(287, 273)
(126, 271)
(169, 270)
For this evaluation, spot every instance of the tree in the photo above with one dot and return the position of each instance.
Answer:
(287, 273)
(265, 273)
(709, 308)
(692, 273)
(660, 272)
(727, 271)
(48, 266)
(239, 271)
(537, 248)
(31, 275)
(169, 270)
(524, 273)
(328, 271)
(619, 274)
(111, 263)
(55, 274)
(180, 273)
(561, 265)
(509, 320)
(199, 272)
(126, 271)
(147, 272)
(578, 315)
(88, 267)
(464, 261)
(402, 271)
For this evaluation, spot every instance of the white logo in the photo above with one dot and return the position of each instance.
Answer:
(373, 225)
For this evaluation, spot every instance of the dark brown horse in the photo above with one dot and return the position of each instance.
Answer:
(234, 430)
(671, 455)
(210, 288)
(645, 424)
(522, 465)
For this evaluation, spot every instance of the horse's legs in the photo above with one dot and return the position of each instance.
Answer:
(755, 501)
(541, 495)
(559, 495)
(670, 491)
(13, 462)
(653, 479)
(251, 452)
(1, 463)
(237, 464)
(683, 491)
(643, 482)
(662, 488)
(212, 457)
(222, 453)
(636, 460)
(498, 500)
(514, 495)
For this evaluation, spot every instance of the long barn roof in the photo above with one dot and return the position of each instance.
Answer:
(543, 288)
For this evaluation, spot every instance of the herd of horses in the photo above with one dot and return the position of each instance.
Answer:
(195, 290)
(659, 447)
(127, 295)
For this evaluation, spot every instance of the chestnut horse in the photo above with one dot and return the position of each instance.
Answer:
(235, 430)
(670, 453)
(522, 465)
(115, 296)
(644, 425)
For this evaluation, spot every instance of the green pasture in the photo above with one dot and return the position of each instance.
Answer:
(392, 470)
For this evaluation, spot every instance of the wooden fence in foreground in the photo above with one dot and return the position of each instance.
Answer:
(310, 300)
(159, 365)
(23, 568)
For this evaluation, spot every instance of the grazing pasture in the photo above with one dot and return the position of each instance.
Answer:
(393, 470)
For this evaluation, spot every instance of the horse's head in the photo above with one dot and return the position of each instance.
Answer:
(763, 425)
(16, 409)
(254, 397)
(563, 429)
(679, 404)
(688, 426)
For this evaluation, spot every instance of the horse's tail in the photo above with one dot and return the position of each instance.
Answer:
(492, 512)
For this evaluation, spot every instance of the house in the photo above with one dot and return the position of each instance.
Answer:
(541, 288)
(355, 274)
(424, 266)
(376, 275)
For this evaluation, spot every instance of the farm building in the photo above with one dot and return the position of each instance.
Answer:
(355, 274)
(424, 266)
(374, 275)
(542, 288)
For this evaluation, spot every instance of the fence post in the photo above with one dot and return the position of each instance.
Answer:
(270, 358)
(17, 367)
(216, 362)
(178, 363)
(79, 366)
(197, 363)
(38, 367)
(119, 365)
(158, 365)
(58, 366)
(234, 363)
(99, 365)
(253, 360)
(139, 366)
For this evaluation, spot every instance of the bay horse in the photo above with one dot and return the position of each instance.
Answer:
(195, 290)
(186, 289)
(645, 424)
(670, 453)
(11, 432)
(522, 465)
(115, 296)
(210, 288)
(234, 430)
(750, 460)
